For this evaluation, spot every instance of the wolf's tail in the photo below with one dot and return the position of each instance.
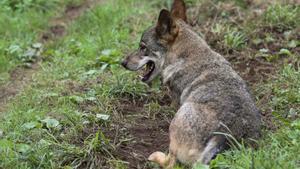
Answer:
(159, 157)
(213, 147)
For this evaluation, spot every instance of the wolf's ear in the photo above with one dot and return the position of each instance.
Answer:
(166, 27)
(164, 23)
(179, 10)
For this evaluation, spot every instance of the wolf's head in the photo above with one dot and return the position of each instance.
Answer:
(155, 43)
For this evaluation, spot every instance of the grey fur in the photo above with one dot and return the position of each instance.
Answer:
(210, 93)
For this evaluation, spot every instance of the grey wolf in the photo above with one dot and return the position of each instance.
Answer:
(211, 95)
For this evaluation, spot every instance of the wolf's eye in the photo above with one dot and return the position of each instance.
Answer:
(143, 47)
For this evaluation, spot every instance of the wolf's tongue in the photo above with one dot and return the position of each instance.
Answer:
(148, 70)
(146, 77)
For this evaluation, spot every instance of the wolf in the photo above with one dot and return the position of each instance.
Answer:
(214, 101)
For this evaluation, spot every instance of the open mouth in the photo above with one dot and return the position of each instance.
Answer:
(147, 71)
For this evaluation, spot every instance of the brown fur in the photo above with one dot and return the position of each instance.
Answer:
(212, 96)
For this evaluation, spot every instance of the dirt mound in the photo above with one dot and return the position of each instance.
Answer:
(148, 136)
(140, 132)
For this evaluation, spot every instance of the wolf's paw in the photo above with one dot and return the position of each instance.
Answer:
(158, 157)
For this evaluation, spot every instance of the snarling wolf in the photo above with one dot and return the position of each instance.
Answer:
(213, 98)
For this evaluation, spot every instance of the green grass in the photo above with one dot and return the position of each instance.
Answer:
(282, 16)
(286, 99)
(46, 127)
(280, 149)
(234, 39)
(22, 21)
(276, 151)
(67, 116)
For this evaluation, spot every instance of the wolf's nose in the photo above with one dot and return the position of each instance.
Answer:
(124, 63)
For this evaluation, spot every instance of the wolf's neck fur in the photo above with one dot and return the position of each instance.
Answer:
(187, 61)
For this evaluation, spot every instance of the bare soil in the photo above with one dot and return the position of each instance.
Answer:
(19, 78)
(147, 134)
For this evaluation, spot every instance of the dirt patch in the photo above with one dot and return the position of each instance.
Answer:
(254, 70)
(136, 129)
(19, 77)
(145, 134)
(58, 26)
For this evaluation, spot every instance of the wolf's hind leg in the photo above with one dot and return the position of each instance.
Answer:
(214, 146)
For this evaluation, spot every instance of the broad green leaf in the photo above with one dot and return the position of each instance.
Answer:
(50, 122)
(30, 125)
(285, 52)
(23, 148)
